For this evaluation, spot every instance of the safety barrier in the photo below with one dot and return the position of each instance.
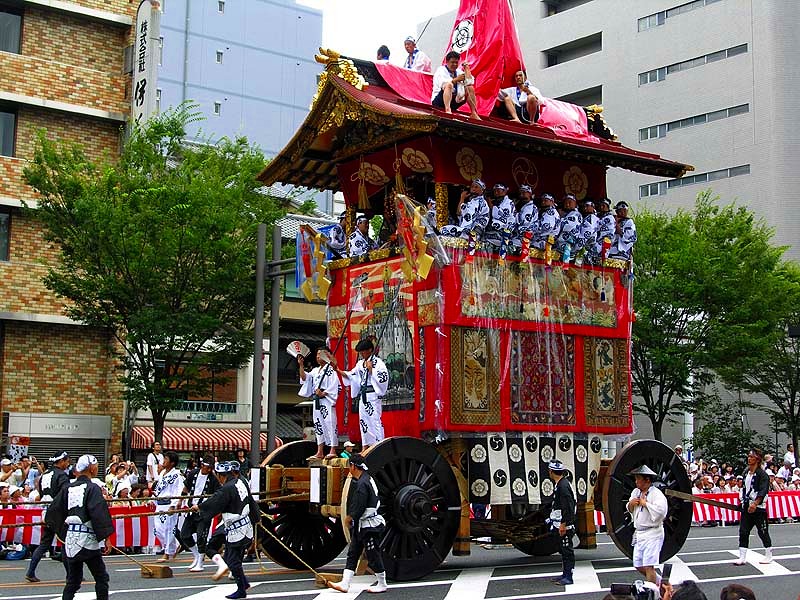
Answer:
(780, 505)
(135, 529)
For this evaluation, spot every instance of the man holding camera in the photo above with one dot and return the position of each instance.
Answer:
(649, 508)
(562, 519)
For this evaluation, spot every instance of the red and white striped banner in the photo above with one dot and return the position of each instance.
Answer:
(133, 531)
(780, 505)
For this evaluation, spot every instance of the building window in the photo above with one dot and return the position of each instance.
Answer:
(221, 6)
(217, 108)
(659, 131)
(10, 30)
(661, 73)
(660, 18)
(5, 235)
(7, 125)
(661, 187)
(158, 100)
(160, 50)
(219, 57)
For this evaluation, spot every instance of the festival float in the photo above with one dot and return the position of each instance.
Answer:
(499, 363)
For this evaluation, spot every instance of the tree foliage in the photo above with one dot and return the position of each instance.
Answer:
(701, 279)
(723, 433)
(158, 247)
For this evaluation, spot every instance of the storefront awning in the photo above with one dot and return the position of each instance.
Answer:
(190, 439)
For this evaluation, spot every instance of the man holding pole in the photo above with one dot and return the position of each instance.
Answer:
(754, 507)
(368, 380)
(167, 489)
(199, 482)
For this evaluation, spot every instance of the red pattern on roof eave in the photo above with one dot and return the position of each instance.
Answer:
(386, 100)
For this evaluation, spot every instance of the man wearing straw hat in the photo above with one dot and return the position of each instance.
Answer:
(80, 514)
(50, 484)
(649, 508)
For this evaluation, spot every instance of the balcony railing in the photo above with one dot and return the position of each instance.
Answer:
(203, 406)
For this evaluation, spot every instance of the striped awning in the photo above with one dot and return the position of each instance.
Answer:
(190, 439)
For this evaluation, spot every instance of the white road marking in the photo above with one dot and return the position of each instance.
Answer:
(470, 583)
(585, 578)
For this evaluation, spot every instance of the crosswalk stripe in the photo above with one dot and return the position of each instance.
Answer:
(471, 583)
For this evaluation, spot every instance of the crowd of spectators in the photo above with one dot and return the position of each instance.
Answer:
(709, 476)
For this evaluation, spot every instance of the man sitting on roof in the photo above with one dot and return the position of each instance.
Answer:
(416, 60)
(522, 100)
(452, 87)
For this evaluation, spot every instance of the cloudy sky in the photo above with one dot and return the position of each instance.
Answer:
(357, 27)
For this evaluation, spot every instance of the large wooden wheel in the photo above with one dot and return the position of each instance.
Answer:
(314, 538)
(618, 485)
(420, 501)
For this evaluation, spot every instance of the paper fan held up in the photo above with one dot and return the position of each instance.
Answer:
(297, 348)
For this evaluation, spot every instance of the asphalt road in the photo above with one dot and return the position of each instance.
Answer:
(499, 573)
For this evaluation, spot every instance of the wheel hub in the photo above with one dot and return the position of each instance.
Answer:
(412, 508)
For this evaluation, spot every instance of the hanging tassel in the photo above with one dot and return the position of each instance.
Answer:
(399, 184)
(363, 197)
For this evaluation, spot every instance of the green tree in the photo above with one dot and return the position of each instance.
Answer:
(158, 247)
(700, 282)
(772, 368)
(722, 433)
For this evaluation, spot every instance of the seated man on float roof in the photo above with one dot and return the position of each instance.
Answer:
(522, 100)
(453, 87)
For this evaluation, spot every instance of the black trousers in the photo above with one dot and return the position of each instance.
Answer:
(566, 551)
(759, 520)
(94, 560)
(214, 544)
(234, 553)
(361, 541)
(193, 524)
(46, 543)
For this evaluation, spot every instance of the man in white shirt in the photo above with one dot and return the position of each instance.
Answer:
(416, 60)
(790, 455)
(452, 87)
(649, 508)
(155, 463)
(521, 100)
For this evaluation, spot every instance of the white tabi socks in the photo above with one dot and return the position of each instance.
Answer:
(222, 567)
(742, 557)
(197, 564)
(381, 586)
(344, 584)
(767, 556)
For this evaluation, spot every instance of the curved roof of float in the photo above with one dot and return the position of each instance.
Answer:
(346, 121)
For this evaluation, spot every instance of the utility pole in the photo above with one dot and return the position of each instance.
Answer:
(272, 270)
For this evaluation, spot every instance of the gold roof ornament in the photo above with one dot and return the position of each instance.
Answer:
(597, 123)
(341, 67)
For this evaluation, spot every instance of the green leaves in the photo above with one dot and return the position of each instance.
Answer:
(159, 247)
(702, 278)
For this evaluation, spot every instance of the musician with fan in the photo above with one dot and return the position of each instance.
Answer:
(322, 386)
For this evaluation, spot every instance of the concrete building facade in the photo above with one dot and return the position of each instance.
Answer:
(712, 83)
(249, 64)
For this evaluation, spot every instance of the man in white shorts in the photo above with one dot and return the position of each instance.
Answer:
(649, 508)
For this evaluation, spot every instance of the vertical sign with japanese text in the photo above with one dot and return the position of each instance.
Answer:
(145, 60)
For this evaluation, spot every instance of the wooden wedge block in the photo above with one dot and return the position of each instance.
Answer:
(321, 579)
(156, 572)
